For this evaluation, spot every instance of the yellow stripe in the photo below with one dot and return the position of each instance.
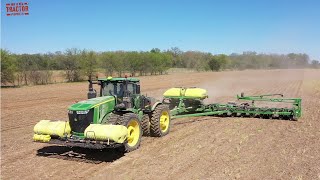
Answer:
(102, 103)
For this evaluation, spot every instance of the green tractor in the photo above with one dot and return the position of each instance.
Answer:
(117, 118)
(121, 115)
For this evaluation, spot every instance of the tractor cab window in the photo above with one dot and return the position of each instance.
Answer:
(132, 88)
(107, 89)
(112, 89)
(118, 89)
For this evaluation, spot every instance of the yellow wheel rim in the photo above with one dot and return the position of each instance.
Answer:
(164, 121)
(133, 132)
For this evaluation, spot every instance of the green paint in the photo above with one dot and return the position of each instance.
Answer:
(199, 114)
(119, 79)
(80, 135)
(95, 115)
(229, 109)
(296, 102)
(91, 103)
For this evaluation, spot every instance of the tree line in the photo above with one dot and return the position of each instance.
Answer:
(78, 65)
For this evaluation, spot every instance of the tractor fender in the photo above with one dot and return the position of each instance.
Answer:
(155, 105)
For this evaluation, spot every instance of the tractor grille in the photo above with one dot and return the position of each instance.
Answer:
(79, 122)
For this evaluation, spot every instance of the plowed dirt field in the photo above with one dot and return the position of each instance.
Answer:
(196, 148)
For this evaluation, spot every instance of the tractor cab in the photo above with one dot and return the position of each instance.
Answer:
(125, 90)
(120, 87)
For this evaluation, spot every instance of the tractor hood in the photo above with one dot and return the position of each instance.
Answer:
(90, 103)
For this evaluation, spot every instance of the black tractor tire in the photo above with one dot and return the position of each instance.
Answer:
(145, 123)
(294, 118)
(112, 119)
(131, 120)
(156, 130)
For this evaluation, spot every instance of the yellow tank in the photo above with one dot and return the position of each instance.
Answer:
(47, 127)
(103, 132)
(186, 93)
(42, 138)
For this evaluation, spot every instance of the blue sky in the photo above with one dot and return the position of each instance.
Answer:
(217, 26)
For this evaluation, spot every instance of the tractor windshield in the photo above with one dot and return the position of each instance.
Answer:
(112, 89)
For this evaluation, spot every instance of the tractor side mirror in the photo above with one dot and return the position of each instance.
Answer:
(92, 93)
(138, 89)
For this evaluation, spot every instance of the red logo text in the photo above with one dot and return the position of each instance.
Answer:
(17, 9)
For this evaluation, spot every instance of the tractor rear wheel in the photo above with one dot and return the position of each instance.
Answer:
(145, 123)
(131, 121)
(160, 121)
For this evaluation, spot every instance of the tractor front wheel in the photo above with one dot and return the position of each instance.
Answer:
(131, 121)
(112, 119)
(160, 121)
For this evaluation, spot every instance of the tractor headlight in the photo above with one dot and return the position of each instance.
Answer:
(70, 112)
(83, 112)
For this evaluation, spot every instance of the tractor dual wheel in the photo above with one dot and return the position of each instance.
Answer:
(160, 121)
(145, 123)
(131, 121)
